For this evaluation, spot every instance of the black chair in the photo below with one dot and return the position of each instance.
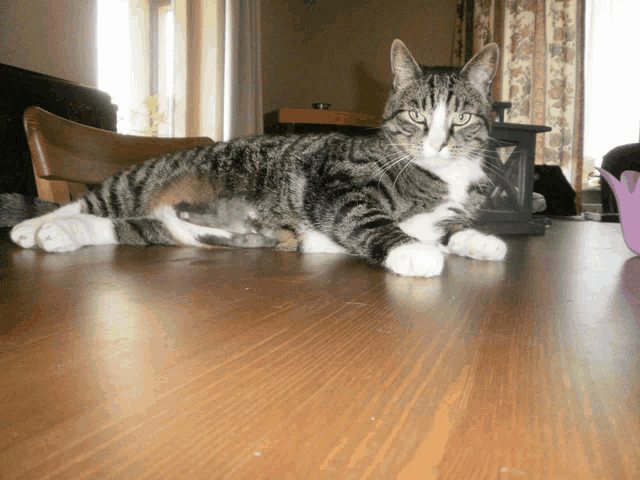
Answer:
(618, 160)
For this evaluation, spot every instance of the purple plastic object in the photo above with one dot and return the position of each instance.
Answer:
(628, 197)
(631, 285)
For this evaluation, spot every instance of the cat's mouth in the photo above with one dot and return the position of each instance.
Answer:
(429, 152)
(432, 159)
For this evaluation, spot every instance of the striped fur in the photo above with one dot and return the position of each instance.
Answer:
(396, 199)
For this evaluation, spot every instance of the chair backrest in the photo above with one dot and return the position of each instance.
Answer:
(67, 156)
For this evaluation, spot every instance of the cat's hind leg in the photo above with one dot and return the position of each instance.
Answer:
(68, 229)
(65, 234)
(30, 233)
(64, 230)
(194, 234)
(187, 233)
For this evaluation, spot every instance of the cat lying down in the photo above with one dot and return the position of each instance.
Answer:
(398, 198)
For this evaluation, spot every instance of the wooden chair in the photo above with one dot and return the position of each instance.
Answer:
(67, 156)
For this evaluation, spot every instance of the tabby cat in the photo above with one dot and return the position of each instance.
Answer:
(398, 199)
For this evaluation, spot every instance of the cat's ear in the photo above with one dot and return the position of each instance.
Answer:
(481, 69)
(405, 68)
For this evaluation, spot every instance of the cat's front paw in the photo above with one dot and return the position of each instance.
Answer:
(473, 244)
(415, 260)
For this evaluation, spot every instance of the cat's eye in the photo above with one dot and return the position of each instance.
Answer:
(417, 117)
(461, 119)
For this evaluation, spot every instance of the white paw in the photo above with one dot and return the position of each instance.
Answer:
(473, 244)
(415, 260)
(24, 233)
(61, 235)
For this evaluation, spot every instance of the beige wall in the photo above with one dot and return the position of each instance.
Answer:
(334, 51)
(337, 51)
(55, 37)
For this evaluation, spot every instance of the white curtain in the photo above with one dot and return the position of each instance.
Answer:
(612, 70)
(220, 91)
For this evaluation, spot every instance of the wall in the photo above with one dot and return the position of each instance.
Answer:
(337, 51)
(53, 37)
(334, 51)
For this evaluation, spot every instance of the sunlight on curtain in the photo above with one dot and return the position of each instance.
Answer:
(612, 70)
(225, 80)
(165, 67)
(114, 53)
(136, 61)
(182, 67)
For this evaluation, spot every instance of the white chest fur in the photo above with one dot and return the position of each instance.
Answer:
(458, 175)
(423, 226)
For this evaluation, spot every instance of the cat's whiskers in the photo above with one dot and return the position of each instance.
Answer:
(478, 151)
(390, 165)
(395, 158)
(402, 170)
(501, 143)
(494, 169)
(394, 155)
(499, 174)
(485, 156)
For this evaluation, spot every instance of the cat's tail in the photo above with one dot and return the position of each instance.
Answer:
(15, 208)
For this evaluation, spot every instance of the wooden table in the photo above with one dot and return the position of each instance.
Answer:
(161, 362)
(310, 120)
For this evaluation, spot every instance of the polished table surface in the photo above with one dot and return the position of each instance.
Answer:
(161, 362)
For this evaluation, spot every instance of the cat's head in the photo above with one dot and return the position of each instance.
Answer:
(440, 118)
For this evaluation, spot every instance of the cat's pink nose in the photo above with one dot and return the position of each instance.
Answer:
(437, 139)
(437, 142)
(439, 147)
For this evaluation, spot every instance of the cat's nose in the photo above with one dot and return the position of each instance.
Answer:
(437, 141)
(438, 146)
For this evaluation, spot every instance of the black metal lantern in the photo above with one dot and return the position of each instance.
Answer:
(510, 166)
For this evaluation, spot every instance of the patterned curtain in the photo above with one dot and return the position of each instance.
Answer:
(463, 35)
(542, 44)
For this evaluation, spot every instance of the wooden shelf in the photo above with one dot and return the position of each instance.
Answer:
(320, 117)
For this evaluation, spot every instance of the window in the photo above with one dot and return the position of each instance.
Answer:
(612, 90)
(136, 63)
(162, 64)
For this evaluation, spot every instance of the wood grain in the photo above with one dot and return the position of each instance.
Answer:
(128, 362)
